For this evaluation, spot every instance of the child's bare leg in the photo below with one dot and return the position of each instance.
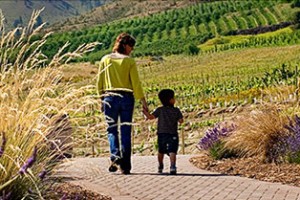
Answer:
(173, 159)
(160, 157)
(173, 170)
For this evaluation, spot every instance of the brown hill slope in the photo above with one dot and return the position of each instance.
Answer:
(119, 9)
(18, 12)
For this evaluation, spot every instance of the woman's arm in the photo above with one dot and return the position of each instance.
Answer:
(144, 103)
(135, 81)
(100, 77)
(146, 109)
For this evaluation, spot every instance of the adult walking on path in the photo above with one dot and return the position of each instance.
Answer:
(119, 84)
(190, 183)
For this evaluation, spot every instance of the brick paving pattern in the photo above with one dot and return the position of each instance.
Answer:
(190, 183)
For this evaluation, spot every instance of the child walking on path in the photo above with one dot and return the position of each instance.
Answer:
(167, 125)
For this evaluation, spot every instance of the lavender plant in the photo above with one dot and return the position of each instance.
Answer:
(212, 141)
(287, 147)
(43, 174)
(29, 162)
(214, 135)
(292, 147)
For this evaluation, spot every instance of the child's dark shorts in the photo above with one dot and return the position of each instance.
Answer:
(167, 143)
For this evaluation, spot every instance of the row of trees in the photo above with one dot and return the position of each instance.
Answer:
(173, 32)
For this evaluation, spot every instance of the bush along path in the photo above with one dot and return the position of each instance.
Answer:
(189, 183)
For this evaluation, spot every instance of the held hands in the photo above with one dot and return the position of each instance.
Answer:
(148, 115)
(146, 110)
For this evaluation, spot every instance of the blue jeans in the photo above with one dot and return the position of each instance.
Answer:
(119, 107)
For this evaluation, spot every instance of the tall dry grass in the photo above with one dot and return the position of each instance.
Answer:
(32, 96)
(259, 133)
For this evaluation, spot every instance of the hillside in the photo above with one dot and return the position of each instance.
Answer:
(44, 102)
(18, 12)
(181, 30)
(119, 9)
(209, 88)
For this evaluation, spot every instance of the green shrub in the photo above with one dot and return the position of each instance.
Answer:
(191, 49)
(294, 158)
(218, 151)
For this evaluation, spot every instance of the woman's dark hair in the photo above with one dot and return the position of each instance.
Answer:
(121, 41)
(165, 96)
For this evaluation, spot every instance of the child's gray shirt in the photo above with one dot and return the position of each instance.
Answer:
(168, 118)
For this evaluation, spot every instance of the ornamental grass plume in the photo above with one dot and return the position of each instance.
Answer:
(259, 134)
(31, 90)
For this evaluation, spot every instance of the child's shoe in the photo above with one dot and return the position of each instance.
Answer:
(173, 170)
(160, 169)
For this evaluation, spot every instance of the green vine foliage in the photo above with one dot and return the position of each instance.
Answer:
(169, 32)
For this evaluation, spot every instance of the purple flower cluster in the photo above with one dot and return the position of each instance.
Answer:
(214, 135)
(29, 162)
(42, 174)
(2, 147)
(6, 196)
(64, 197)
(293, 141)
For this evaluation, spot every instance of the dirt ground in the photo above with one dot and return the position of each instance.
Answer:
(284, 173)
(67, 191)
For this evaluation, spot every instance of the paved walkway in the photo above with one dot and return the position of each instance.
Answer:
(190, 182)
